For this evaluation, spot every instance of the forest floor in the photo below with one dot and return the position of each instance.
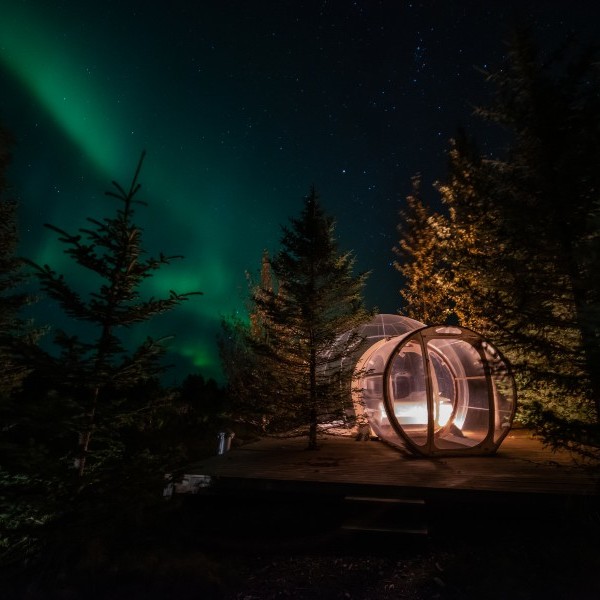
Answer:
(564, 568)
(511, 556)
(190, 550)
(519, 559)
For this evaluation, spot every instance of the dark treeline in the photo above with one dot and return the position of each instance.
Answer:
(87, 431)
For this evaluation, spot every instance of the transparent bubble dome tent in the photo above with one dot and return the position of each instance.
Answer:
(436, 390)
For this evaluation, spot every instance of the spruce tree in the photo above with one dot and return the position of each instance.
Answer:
(317, 298)
(246, 378)
(480, 280)
(12, 298)
(422, 260)
(84, 452)
(19, 458)
(250, 382)
(527, 243)
(98, 371)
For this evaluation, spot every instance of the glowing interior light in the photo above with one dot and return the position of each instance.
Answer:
(416, 413)
(445, 412)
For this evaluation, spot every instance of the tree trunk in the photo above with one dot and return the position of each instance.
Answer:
(312, 431)
(86, 435)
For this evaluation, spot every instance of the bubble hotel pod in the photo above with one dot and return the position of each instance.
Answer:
(437, 390)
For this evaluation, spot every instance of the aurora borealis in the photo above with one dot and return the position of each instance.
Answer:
(241, 106)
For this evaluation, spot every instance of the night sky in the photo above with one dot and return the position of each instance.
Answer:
(242, 106)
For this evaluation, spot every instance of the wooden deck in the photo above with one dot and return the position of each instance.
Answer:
(521, 467)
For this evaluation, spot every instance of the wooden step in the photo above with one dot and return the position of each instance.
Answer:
(385, 515)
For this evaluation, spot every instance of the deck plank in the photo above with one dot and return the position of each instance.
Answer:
(521, 465)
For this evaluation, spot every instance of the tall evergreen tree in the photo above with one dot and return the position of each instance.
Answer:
(94, 405)
(480, 279)
(12, 299)
(422, 260)
(112, 249)
(16, 513)
(250, 379)
(317, 299)
(527, 237)
(95, 374)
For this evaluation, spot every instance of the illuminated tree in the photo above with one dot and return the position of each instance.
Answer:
(422, 260)
(249, 375)
(526, 249)
(480, 280)
(317, 299)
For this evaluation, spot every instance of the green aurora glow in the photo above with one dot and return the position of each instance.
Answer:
(241, 106)
(64, 88)
(44, 64)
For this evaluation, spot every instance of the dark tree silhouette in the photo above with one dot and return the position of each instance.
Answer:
(12, 298)
(94, 404)
(298, 321)
(111, 248)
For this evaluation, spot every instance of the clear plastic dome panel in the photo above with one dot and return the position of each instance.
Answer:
(387, 326)
(503, 389)
(407, 392)
(368, 396)
(460, 361)
(444, 390)
(435, 390)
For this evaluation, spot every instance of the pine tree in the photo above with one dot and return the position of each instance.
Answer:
(422, 260)
(12, 300)
(16, 512)
(527, 237)
(95, 404)
(479, 279)
(97, 371)
(317, 299)
(249, 374)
